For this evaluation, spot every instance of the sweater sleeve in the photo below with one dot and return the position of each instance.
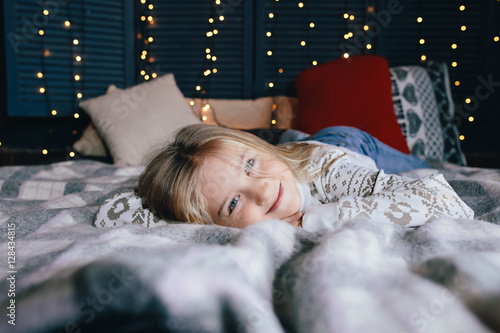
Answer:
(356, 191)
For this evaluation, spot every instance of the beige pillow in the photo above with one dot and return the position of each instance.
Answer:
(287, 109)
(235, 113)
(90, 143)
(135, 120)
(247, 113)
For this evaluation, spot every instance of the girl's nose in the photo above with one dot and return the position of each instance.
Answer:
(261, 190)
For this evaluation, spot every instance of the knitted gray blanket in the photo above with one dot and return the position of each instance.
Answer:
(60, 273)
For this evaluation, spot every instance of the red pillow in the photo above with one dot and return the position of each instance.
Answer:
(356, 92)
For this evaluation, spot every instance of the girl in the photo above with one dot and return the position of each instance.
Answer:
(216, 175)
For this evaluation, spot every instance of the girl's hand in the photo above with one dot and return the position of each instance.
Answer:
(295, 219)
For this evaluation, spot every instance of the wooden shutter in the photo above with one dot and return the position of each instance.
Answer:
(105, 46)
(180, 46)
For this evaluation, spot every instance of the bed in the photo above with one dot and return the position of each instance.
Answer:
(65, 271)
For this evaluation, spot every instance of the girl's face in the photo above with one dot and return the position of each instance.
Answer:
(253, 188)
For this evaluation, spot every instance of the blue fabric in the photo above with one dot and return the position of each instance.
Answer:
(386, 158)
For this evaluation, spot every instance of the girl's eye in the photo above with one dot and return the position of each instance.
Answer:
(249, 165)
(232, 204)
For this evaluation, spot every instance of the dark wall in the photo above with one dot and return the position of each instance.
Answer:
(482, 136)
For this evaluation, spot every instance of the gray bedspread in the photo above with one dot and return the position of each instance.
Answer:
(59, 273)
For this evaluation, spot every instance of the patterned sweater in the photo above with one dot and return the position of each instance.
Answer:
(352, 188)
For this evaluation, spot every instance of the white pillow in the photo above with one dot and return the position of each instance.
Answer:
(135, 120)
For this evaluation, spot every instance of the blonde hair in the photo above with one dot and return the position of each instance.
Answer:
(170, 184)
